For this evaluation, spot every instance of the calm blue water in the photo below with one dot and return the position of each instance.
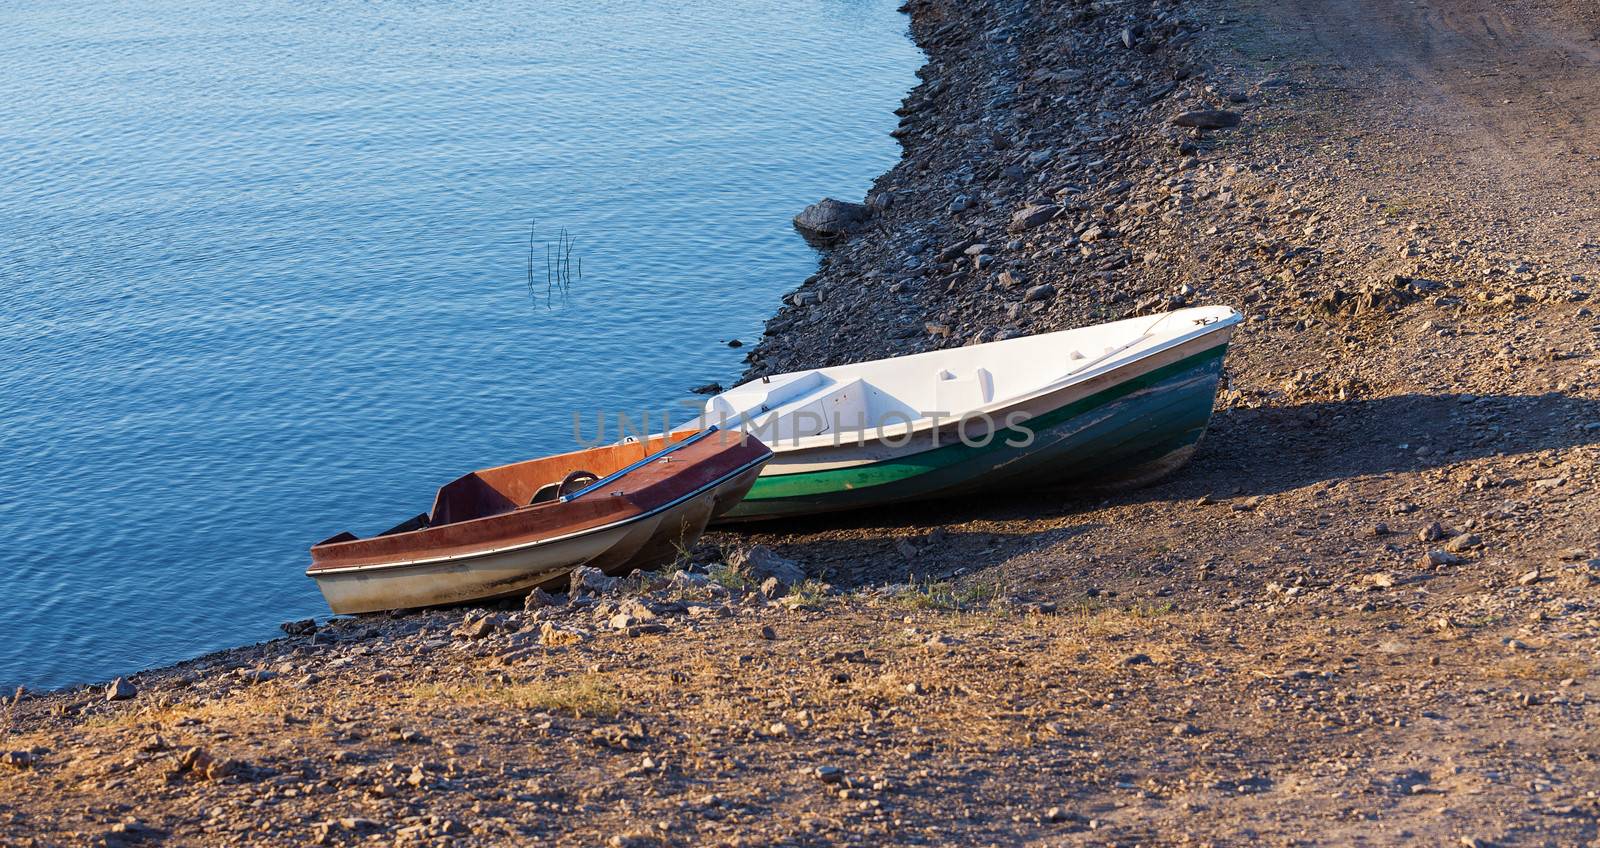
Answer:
(262, 269)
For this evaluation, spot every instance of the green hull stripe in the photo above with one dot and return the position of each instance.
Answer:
(812, 483)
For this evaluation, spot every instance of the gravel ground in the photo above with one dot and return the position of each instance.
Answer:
(1366, 613)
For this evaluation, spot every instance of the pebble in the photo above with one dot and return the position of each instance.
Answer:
(1438, 557)
(1044, 291)
(120, 690)
(829, 774)
(1029, 217)
(1207, 119)
(303, 627)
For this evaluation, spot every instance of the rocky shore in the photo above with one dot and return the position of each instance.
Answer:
(1366, 613)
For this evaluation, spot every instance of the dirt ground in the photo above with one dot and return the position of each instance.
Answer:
(1368, 612)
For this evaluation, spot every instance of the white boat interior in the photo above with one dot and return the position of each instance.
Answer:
(911, 392)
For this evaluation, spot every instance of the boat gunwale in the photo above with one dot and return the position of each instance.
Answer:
(317, 572)
(926, 423)
(796, 452)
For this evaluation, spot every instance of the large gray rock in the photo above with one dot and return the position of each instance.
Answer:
(1029, 217)
(829, 218)
(760, 563)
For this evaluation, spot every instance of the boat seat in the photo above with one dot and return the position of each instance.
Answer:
(957, 395)
(416, 522)
(844, 406)
(757, 397)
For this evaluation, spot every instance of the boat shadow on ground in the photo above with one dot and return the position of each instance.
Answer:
(1247, 452)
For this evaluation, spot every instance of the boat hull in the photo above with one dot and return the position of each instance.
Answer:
(479, 577)
(1130, 425)
(646, 542)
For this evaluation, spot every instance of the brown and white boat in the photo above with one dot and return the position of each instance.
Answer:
(503, 531)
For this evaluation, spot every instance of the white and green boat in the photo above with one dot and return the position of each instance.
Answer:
(1118, 403)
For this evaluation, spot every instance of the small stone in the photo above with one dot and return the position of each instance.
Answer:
(1207, 119)
(1529, 578)
(773, 588)
(1463, 542)
(829, 774)
(17, 759)
(478, 629)
(1431, 533)
(1137, 659)
(1437, 557)
(1044, 291)
(768, 633)
(761, 562)
(1380, 580)
(537, 599)
(1029, 217)
(1055, 814)
(552, 635)
(120, 690)
(1185, 729)
(1380, 529)
(955, 250)
(303, 627)
(585, 579)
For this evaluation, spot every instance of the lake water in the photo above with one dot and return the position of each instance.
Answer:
(263, 269)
